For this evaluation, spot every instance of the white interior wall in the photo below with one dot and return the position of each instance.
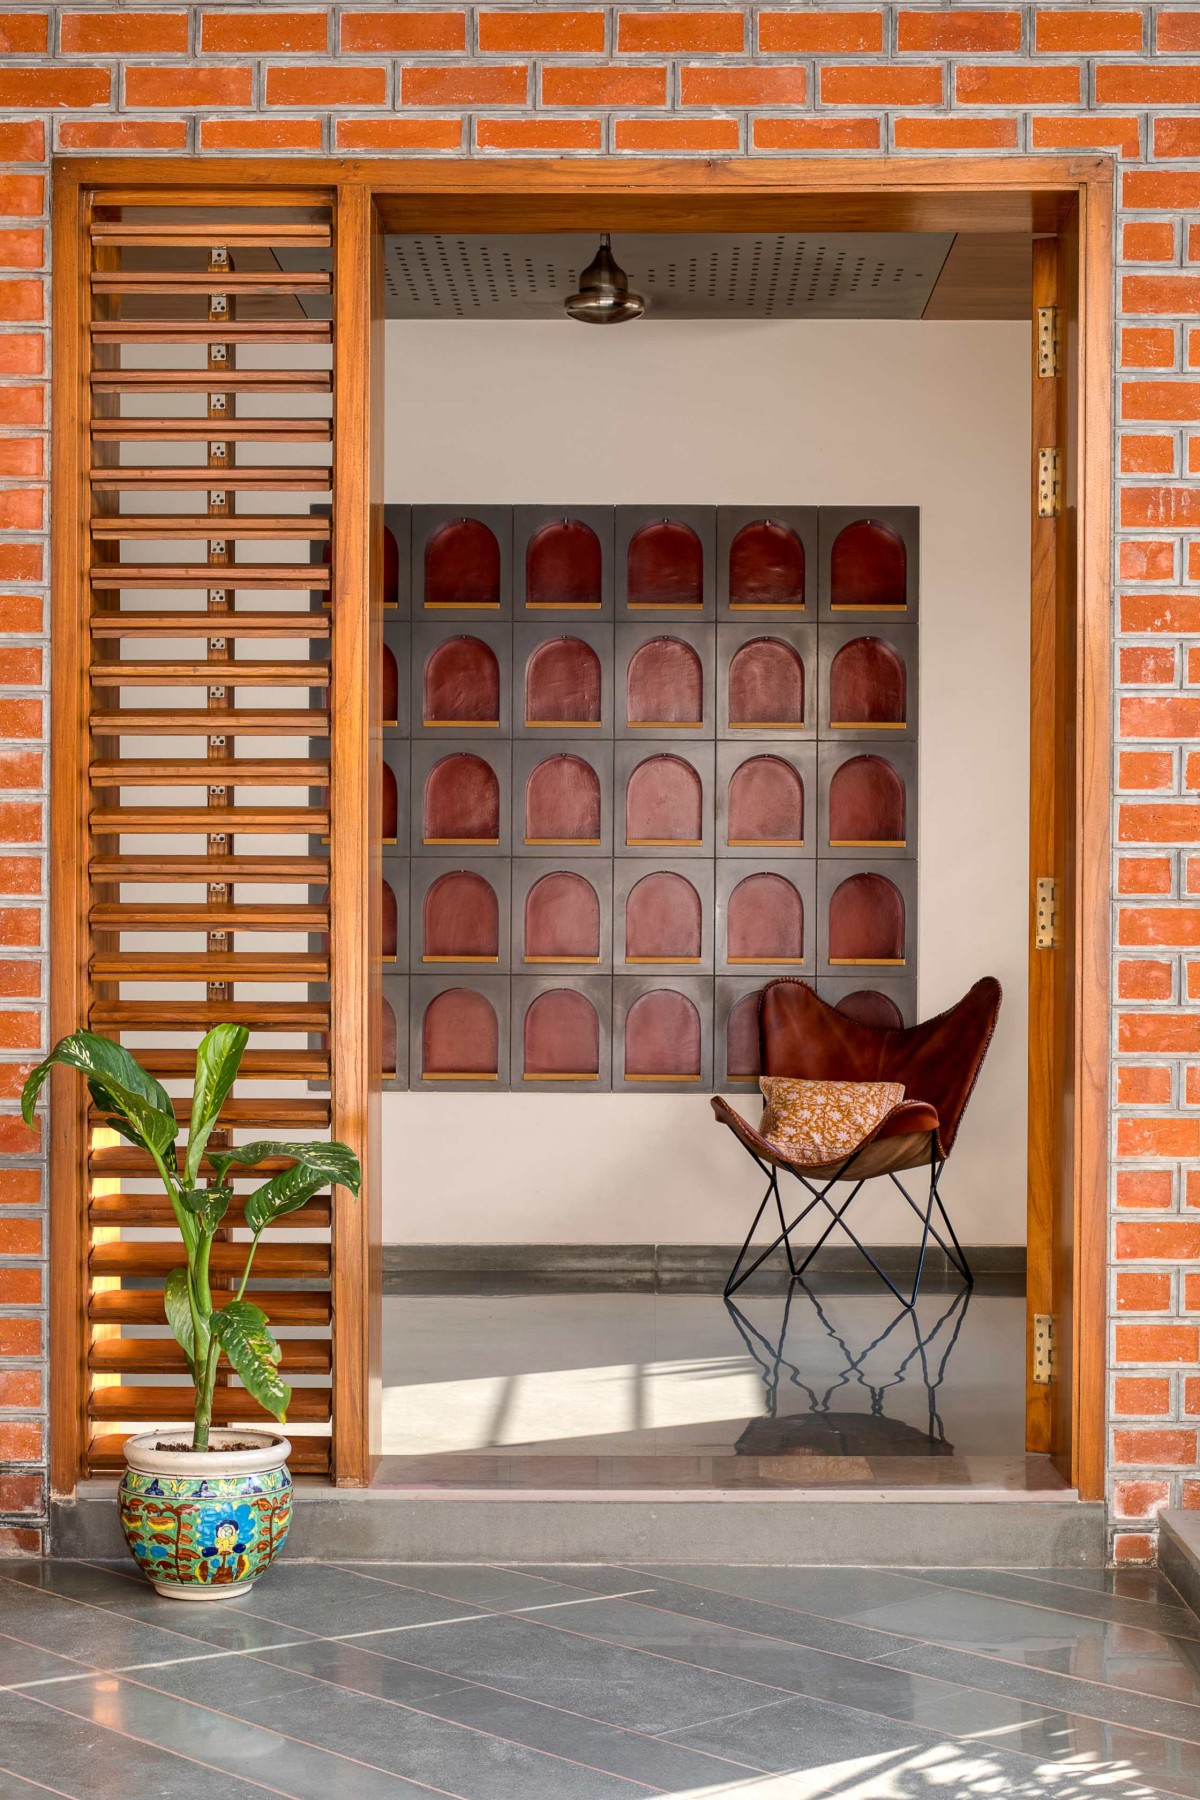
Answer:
(817, 413)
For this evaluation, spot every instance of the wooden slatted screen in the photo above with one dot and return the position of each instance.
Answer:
(199, 423)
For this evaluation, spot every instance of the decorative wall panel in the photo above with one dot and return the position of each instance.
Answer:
(639, 761)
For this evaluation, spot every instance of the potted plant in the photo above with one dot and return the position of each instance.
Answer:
(204, 1519)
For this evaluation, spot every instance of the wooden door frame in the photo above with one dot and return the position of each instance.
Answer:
(1035, 195)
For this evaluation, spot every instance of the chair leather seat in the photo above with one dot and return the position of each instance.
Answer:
(909, 1116)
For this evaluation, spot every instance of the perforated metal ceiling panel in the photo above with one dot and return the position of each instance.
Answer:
(711, 275)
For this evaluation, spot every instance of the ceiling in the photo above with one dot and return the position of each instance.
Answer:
(682, 275)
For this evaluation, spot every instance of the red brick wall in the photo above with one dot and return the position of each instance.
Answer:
(652, 79)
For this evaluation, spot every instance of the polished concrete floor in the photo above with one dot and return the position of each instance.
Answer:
(834, 1385)
(592, 1683)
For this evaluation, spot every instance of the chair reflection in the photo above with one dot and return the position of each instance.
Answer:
(820, 1427)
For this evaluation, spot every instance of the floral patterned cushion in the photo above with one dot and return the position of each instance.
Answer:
(819, 1122)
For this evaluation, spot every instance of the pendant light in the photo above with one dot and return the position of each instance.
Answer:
(604, 297)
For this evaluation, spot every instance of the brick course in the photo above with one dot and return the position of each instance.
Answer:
(283, 80)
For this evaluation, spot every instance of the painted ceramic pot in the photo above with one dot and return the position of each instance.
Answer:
(203, 1525)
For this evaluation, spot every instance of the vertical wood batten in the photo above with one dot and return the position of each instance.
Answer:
(1094, 739)
(355, 829)
(69, 794)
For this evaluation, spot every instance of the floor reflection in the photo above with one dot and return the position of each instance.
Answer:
(847, 1414)
(828, 1384)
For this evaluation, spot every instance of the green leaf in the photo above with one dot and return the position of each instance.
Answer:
(179, 1318)
(218, 1058)
(208, 1204)
(242, 1331)
(118, 1084)
(316, 1166)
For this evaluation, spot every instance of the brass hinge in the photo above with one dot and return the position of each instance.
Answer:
(1047, 484)
(1047, 340)
(1045, 913)
(1043, 1349)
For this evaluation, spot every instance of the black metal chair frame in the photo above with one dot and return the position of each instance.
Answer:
(837, 1217)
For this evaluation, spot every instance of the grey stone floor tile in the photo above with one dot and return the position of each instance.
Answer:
(604, 1681)
(90, 1634)
(1085, 1699)
(235, 1626)
(689, 1596)
(329, 1601)
(25, 1662)
(417, 1745)
(81, 1754)
(1172, 1621)
(862, 1756)
(488, 1707)
(478, 1584)
(1146, 1585)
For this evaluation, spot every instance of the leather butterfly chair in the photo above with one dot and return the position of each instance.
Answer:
(938, 1063)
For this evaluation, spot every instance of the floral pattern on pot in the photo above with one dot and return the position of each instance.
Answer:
(218, 1531)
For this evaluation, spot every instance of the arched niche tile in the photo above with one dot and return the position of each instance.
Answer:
(564, 560)
(662, 1034)
(389, 919)
(767, 688)
(397, 561)
(883, 1003)
(562, 798)
(866, 917)
(461, 560)
(390, 807)
(390, 687)
(664, 558)
(738, 1051)
(764, 921)
(563, 686)
(460, 1034)
(869, 560)
(561, 919)
(766, 800)
(663, 919)
(395, 805)
(665, 799)
(460, 685)
(664, 681)
(868, 682)
(394, 1030)
(390, 1034)
(765, 804)
(766, 568)
(563, 802)
(457, 914)
(561, 1038)
(766, 562)
(868, 801)
(460, 799)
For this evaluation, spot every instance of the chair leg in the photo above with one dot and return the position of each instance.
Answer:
(956, 1256)
(737, 1275)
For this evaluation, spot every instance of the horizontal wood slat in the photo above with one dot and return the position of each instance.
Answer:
(201, 1015)
(231, 1403)
(242, 965)
(228, 431)
(310, 1456)
(206, 381)
(194, 721)
(203, 674)
(203, 526)
(313, 234)
(107, 480)
(161, 916)
(229, 576)
(262, 820)
(184, 331)
(197, 868)
(162, 1356)
(273, 1261)
(281, 771)
(260, 281)
(143, 1306)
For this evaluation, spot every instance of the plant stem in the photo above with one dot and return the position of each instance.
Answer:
(246, 1270)
(202, 1419)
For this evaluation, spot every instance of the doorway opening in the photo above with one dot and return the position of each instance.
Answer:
(577, 973)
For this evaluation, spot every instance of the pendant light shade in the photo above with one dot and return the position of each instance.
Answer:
(604, 297)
